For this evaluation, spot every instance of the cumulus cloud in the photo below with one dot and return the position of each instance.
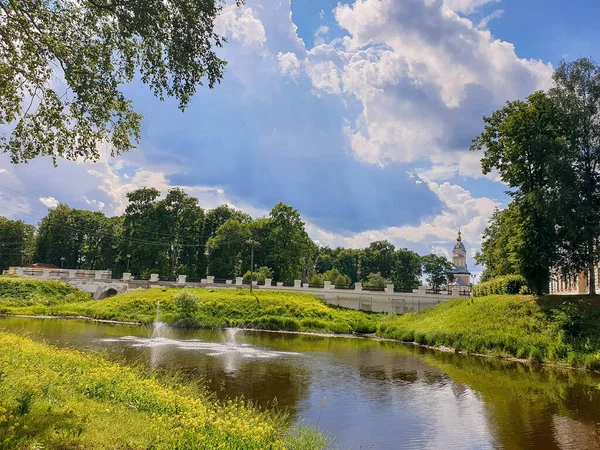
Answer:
(493, 15)
(289, 64)
(467, 6)
(50, 202)
(422, 75)
(242, 24)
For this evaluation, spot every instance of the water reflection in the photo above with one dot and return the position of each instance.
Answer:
(378, 393)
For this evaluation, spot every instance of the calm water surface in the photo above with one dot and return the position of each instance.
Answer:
(379, 395)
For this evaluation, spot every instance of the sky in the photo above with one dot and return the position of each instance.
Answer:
(359, 114)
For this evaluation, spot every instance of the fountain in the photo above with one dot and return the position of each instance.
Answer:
(159, 328)
(230, 333)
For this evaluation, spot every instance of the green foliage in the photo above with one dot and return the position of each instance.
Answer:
(407, 271)
(522, 141)
(186, 304)
(65, 399)
(218, 308)
(508, 284)
(259, 274)
(437, 268)
(562, 330)
(163, 236)
(87, 240)
(502, 244)
(568, 319)
(524, 290)
(16, 291)
(16, 243)
(376, 280)
(98, 49)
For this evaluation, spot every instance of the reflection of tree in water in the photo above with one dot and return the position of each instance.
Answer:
(530, 407)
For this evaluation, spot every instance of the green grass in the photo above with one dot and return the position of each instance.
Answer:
(556, 329)
(65, 399)
(16, 291)
(561, 330)
(217, 308)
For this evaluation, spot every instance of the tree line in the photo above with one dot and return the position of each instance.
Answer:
(173, 235)
(547, 150)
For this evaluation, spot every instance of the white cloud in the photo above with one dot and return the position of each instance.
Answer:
(242, 24)
(95, 204)
(289, 64)
(467, 6)
(493, 15)
(325, 77)
(422, 75)
(50, 202)
(434, 234)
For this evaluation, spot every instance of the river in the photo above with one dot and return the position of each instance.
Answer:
(368, 394)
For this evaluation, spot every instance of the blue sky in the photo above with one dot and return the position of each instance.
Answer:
(359, 114)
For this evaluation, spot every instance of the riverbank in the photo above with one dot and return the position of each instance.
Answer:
(557, 330)
(216, 308)
(61, 398)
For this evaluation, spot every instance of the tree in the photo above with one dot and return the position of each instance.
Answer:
(95, 47)
(288, 243)
(376, 280)
(16, 243)
(141, 236)
(378, 257)
(85, 239)
(216, 217)
(501, 248)
(437, 269)
(523, 142)
(228, 249)
(348, 263)
(181, 220)
(576, 92)
(407, 270)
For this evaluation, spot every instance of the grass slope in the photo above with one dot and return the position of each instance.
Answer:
(65, 399)
(16, 291)
(557, 329)
(217, 308)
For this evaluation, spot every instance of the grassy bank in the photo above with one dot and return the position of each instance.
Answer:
(19, 292)
(65, 399)
(556, 329)
(215, 308)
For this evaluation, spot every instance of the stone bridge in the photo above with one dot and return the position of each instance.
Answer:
(100, 285)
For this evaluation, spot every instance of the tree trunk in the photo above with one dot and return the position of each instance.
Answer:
(592, 278)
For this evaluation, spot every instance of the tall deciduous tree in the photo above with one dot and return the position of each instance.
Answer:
(407, 270)
(229, 250)
(85, 239)
(16, 243)
(501, 248)
(523, 142)
(378, 257)
(576, 92)
(288, 244)
(96, 47)
(437, 269)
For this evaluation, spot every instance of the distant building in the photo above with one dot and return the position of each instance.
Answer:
(462, 276)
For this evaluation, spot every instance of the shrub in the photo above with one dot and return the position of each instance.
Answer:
(333, 275)
(260, 274)
(508, 284)
(525, 290)
(186, 304)
(567, 318)
(375, 280)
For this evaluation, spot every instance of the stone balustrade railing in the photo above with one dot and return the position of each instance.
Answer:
(453, 291)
